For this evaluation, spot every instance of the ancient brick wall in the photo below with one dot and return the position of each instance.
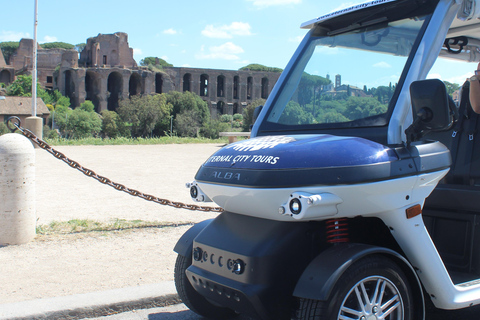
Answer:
(106, 72)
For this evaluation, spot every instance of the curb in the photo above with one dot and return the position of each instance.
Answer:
(94, 304)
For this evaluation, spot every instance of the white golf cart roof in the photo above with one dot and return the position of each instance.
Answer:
(311, 23)
(466, 24)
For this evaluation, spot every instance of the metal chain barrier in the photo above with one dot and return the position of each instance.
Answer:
(117, 186)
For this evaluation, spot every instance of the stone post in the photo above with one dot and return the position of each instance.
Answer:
(35, 124)
(17, 190)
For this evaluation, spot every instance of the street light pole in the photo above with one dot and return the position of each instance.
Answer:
(34, 72)
(34, 123)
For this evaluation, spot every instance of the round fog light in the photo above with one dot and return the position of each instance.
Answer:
(238, 266)
(197, 254)
(295, 206)
(193, 192)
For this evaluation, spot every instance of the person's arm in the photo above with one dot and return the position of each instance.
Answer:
(475, 90)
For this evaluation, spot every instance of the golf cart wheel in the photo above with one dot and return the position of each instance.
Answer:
(372, 288)
(192, 299)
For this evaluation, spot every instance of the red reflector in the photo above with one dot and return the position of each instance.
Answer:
(414, 211)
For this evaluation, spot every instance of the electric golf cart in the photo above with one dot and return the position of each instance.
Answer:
(357, 195)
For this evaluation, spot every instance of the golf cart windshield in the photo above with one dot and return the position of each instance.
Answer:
(345, 78)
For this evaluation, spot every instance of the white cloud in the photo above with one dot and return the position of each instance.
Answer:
(226, 51)
(460, 79)
(50, 39)
(13, 36)
(170, 31)
(269, 3)
(164, 58)
(296, 39)
(227, 31)
(137, 51)
(382, 64)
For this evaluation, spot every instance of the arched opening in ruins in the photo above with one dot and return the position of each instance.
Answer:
(92, 89)
(221, 86)
(5, 77)
(203, 85)
(235, 108)
(158, 82)
(187, 78)
(264, 94)
(249, 87)
(220, 108)
(69, 86)
(135, 85)
(236, 81)
(114, 87)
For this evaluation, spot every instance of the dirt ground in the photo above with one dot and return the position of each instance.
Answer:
(52, 266)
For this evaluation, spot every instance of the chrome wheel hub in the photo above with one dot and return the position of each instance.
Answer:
(373, 298)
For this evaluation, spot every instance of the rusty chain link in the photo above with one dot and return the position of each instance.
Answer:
(90, 173)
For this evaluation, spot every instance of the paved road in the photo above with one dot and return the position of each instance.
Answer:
(181, 312)
(175, 312)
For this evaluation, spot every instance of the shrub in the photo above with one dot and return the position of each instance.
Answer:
(112, 125)
(3, 128)
(212, 129)
(238, 117)
(226, 118)
(187, 123)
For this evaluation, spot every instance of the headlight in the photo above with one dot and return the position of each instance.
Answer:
(307, 206)
(196, 193)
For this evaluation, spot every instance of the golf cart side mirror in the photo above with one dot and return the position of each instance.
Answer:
(256, 112)
(432, 109)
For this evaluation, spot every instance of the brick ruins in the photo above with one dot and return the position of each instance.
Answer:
(106, 72)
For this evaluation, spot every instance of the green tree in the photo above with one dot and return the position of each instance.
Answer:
(57, 45)
(294, 114)
(3, 128)
(22, 86)
(83, 124)
(188, 124)
(309, 88)
(259, 67)
(248, 113)
(212, 129)
(226, 118)
(146, 113)
(60, 116)
(155, 61)
(87, 106)
(182, 101)
(80, 46)
(112, 125)
(54, 98)
(451, 87)
(8, 49)
(363, 107)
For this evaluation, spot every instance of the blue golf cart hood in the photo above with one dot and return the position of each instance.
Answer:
(300, 160)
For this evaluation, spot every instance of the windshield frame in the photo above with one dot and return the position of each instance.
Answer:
(377, 133)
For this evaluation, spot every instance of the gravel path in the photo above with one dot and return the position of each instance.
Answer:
(54, 266)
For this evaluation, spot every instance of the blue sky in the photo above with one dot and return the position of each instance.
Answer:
(215, 34)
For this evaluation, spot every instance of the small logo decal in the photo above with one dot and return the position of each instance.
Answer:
(261, 143)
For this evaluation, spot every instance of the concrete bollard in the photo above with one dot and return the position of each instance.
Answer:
(35, 125)
(17, 189)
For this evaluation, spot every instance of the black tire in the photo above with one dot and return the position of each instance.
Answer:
(367, 276)
(192, 299)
